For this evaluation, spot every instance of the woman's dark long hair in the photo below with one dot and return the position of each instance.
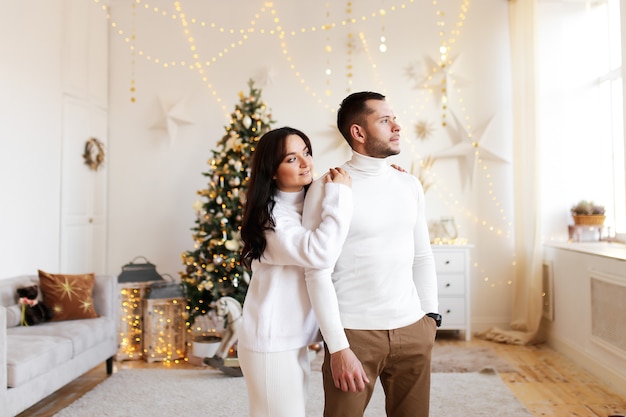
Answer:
(257, 214)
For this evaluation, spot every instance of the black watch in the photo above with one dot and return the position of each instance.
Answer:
(435, 316)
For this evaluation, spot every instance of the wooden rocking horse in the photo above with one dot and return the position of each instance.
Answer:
(230, 309)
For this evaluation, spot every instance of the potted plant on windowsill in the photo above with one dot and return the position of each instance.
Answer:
(588, 213)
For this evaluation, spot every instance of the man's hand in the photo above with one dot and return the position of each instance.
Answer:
(347, 370)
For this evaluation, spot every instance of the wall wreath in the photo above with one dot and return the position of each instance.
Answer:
(94, 153)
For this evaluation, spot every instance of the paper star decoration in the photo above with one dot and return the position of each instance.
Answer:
(424, 129)
(436, 79)
(334, 143)
(468, 148)
(265, 77)
(173, 115)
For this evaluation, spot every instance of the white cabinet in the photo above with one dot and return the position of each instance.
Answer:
(453, 278)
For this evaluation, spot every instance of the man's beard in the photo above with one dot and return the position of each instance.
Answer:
(379, 149)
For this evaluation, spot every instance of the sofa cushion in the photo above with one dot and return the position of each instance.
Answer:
(69, 296)
(29, 356)
(14, 315)
(82, 334)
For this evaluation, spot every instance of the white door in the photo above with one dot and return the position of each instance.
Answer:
(83, 191)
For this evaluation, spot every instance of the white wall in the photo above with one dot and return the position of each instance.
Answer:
(30, 136)
(153, 177)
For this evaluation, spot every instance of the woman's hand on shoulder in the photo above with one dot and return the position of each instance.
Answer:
(398, 167)
(340, 176)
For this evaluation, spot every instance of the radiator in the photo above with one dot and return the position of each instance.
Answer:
(608, 311)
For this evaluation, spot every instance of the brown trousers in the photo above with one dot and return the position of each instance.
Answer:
(400, 358)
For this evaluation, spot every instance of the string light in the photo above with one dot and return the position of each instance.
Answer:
(382, 47)
(164, 330)
(447, 87)
(349, 67)
(133, 36)
(243, 36)
(130, 333)
(443, 70)
(328, 51)
(372, 62)
(193, 49)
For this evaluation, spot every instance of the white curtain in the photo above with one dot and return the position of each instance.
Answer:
(527, 305)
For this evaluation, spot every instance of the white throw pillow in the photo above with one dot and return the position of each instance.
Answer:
(14, 315)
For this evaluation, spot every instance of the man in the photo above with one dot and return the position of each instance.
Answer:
(377, 309)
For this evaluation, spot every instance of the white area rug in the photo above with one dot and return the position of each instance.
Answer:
(167, 392)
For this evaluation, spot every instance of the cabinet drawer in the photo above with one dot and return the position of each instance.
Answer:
(451, 284)
(449, 261)
(452, 311)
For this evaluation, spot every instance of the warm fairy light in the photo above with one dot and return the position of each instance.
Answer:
(164, 329)
(382, 47)
(351, 48)
(328, 49)
(133, 97)
(130, 332)
(440, 87)
(267, 8)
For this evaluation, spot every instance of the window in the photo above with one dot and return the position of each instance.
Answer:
(581, 112)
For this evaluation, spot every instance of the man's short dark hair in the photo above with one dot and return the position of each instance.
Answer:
(354, 110)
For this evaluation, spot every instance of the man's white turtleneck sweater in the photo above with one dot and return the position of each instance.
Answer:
(277, 313)
(385, 276)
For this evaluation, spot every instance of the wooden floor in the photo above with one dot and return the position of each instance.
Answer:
(547, 383)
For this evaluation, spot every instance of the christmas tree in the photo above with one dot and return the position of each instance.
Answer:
(213, 269)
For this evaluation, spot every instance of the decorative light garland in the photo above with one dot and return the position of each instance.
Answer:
(133, 61)
(382, 47)
(278, 31)
(448, 40)
(328, 49)
(130, 334)
(351, 49)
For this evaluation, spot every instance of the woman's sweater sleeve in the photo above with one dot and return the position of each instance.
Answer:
(292, 244)
(319, 280)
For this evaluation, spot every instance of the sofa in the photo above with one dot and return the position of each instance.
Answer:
(37, 360)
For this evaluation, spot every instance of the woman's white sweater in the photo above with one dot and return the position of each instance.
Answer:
(277, 314)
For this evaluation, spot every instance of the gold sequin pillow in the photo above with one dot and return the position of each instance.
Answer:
(69, 296)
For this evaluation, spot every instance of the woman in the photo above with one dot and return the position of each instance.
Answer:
(278, 322)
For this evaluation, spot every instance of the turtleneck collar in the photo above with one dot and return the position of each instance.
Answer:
(367, 164)
(290, 198)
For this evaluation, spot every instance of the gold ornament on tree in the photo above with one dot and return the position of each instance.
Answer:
(94, 153)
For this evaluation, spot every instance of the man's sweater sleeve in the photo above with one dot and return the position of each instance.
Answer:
(319, 280)
(424, 274)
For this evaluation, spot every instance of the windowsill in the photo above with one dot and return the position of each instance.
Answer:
(612, 250)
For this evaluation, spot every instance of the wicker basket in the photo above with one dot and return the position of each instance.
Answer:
(589, 220)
